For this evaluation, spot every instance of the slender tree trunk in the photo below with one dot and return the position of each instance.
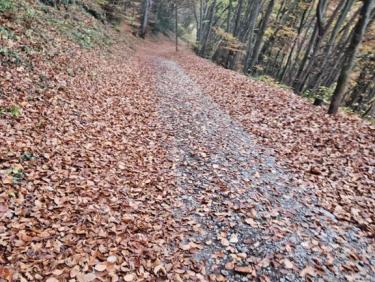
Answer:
(147, 5)
(280, 21)
(370, 111)
(238, 17)
(253, 18)
(199, 33)
(229, 15)
(322, 31)
(298, 53)
(350, 54)
(234, 32)
(209, 26)
(337, 58)
(330, 44)
(260, 35)
(310, 46)
(283, 73)
(357, 89)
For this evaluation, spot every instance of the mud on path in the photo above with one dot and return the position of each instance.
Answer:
(242, 215)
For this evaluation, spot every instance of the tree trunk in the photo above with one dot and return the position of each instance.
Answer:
(329, 47)
(322, 31)
(209, 26)
(358, 89)
(299, 51)
(310, 46)
(147, 5)
(229, 15)
(260, 35)
(229, 61)
(350, 55)
(253, 18)
(283, 73)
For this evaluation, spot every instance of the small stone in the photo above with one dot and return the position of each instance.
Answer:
(233, 238)
(224, 272)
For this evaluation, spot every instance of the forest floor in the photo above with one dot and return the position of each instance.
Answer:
(154, 165)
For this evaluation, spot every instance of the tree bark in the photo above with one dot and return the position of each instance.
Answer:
(260, 35)
(253, 18)
(350, 54)
(330, 44)
(209, 26)
(299, 31)
(147, 5)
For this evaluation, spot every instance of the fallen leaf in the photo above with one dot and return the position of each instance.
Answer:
(251, 222)
(3, 209)
(57, 272)
(129, 277)
(229, 265)
(6, 273)
(224, 242)
(89, 277)
(288, 264)
(100, 267)
(160, 268)
(244, 269)
(308, 270)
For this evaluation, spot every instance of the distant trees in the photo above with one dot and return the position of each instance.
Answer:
(313, 46)
(310, 45)
(306, 44)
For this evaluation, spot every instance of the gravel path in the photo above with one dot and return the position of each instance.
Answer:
(244, 216)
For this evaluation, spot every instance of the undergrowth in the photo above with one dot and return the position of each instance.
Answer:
(6, 5)
(45, 26)
(271, 81)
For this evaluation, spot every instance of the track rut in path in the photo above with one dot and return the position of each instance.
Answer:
(244, 215)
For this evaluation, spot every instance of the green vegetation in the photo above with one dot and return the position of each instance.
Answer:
(271, 81)
(88, 37)
(85, 36)
(14, 111)
(29, 15)
(39, 23)
(6, 33)
(10, 56)
(323, 93)
(17, 174)
(27, 156)
(6, 5)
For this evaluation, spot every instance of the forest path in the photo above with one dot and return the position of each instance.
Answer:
(243, 215)
(163, 166)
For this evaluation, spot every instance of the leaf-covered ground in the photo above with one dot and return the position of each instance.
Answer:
(117, 166)
(333, 156)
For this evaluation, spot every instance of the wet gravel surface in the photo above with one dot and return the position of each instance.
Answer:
(245, 216)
